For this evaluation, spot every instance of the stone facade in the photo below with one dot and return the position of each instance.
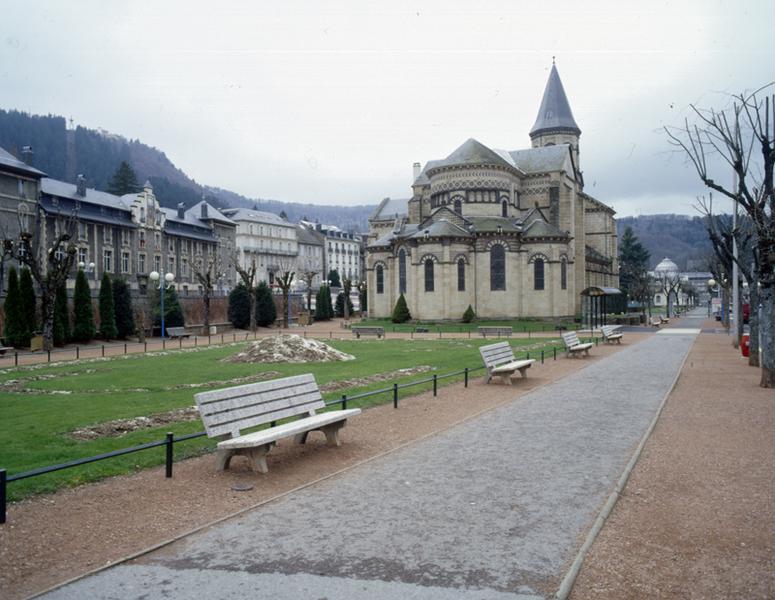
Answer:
(512, 234)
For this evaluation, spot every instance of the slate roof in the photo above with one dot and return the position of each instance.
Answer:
(305, 236)
(256, 216)
(423, 178)
(555, 114)
(472, 153)
(485, 224)
(389, 208)
(596, 256)
(540, 228)
(441, 228)
(213, 214)
(62, 189)
(541, 160)
(8, 160)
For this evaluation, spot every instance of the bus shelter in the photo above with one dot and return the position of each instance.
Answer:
(595, 304)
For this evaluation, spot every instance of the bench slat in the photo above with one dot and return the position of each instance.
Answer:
(253, 388)
(256, 400)
(305, 403)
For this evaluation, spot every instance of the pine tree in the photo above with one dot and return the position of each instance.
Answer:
(321, 308)
(173, 313)
(108, 329)
(633, 264)
(122, 300)
(61, 317)
(28, 303)
(239, 307)
(364, 294)
(401, 311)
(327, 302)
(13, 331)
(266, 312)
(124, 180)
(339, 308)
(333, 278)
(469, 315)
(83, 321)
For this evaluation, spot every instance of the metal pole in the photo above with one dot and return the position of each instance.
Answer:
(344, 401)
(395, 395)
(168, 447)
(465, 377)
(2, 495)
(162, 291)
(434, 384)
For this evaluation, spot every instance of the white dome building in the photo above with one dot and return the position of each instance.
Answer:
(667, 283)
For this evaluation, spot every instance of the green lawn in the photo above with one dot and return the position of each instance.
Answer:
(518, 325)
(36, 425)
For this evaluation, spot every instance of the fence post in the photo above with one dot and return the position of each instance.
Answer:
(465, 377)
(124, 347)
(181, 343)
(395, 395)
(103, 350)
(542, 357)
(434, 384)
(2, 496)
(554, 351)
(145, 346)
(196, 341)
(168, 447)
(163, 343)
(344, 401)
(234, 337)
(221, 338)
(528, 356)
(77, 352)
(209, 341)
(49, 355)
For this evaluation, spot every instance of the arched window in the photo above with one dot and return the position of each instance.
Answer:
(461, 275)
(504, 209)
(402, 271)
(497, 268)
(538, 274)
(564, 274)
(428, 275)
(458, 206)
(380, 279)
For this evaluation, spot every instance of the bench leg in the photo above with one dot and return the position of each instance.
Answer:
(222, 459)
(487, 377)
(257, 457)
(506, 378)
(523, 372)
(301, 438)
(332, 433)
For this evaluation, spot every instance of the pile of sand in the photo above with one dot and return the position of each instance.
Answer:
(289, 348)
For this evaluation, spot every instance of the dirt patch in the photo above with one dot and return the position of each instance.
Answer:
(121, 427)
(289, 348)
(361, 381)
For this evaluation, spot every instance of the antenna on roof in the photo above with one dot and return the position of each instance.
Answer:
(553, 57)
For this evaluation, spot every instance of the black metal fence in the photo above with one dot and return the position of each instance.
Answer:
(170, 440)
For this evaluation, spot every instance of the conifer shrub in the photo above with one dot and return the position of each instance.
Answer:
(14, 332)
(401, 312)
(469, 315)
(108, 330)
(239, 307)
(266, 311)
(83, 314)
(122, 300)
(61, 317)
(339, 308)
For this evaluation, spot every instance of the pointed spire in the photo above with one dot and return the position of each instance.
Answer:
(555, 115)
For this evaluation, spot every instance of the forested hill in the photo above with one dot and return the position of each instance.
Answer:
(682, 238)
(63, 153)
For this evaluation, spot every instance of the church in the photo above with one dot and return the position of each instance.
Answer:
(510, 233)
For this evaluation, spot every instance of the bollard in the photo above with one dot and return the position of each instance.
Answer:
(234, 336)
(103, 350)
(465, 377)
(434, 384)
(2, 496)
(145, 346)
(15, 359)
(49, 355)
(196, 342)
(344, 401)
(221, 338)
(168, 447)
(554, 351)
(542, 357)
(77, 352)
(163, 344)
(330, 335)
(124, 347)
(395, 395)
(181, 343)
(528, 335)
(209, 342)
(528, 356)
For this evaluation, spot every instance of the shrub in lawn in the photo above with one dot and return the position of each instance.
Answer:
(83, 314)
(401, 312)
(266, 312)
(239, 307)
(469, 315)
(14, 332)
(339, 309)
(173, 314)
(333, 278)
(61, 317)
(28, 301)
(122, 300)
(108, 329)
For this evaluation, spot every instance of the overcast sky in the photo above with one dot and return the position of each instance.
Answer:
(332, 102)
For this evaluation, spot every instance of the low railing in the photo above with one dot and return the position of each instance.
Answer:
(170, 440)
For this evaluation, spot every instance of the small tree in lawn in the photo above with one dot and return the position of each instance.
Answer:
(173, 313)
(122, 300)
(343, 309)
(321, 305)
(61, 317)
(329, 305)
(83, 321)
(347, 286)
(108, 329)
(284, 280)
(333, 278)
(207, 273)
(239, 306)
(469, 315)
(266, 312)
(248, 277)
(14, 332)
(29, 302)
(401, 312)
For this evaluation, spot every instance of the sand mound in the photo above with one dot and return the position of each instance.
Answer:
(289, 348)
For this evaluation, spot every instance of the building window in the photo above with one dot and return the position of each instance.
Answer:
(142, 214)
(564, 274)
(458, 206)
(461, 275)
(83, 231)
(538, 274)
(125, 237)
(184, 267)
(107, 261)
(504, 209)
(428, 275)
(83, 256)
(157, 263)
(171, 264)
(125, 262)
(171, 245)
(157, 240)
(497, 268)
(59, 254)
(402, 271)
(107, 234)
(141, 263)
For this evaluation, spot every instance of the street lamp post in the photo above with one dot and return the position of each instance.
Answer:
(163, 287)
(711, 285)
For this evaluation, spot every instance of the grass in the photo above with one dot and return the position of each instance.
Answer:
(59, 399)
(518, 325)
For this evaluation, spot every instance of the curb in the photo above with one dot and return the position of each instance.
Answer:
(566, 585)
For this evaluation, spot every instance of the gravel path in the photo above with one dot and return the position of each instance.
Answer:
(493, 508)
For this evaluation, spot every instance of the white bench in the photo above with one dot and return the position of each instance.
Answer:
(359, 331)
(486, 330)
(499, 360)
(664, 319)
(610, 334)
(227, 412)
(573, 346)
(656, 321)
(176, 332)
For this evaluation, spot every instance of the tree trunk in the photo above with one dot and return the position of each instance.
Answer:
(286, 308)
(206, 302)
(753, 320)
(252, 296)
(767, 327)
(47, 311)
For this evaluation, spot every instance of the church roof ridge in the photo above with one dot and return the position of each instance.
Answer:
(555, 114)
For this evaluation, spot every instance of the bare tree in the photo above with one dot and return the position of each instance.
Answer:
(284, 280)
(49, 267)
(307, 274)
(207, 273)
(347, 285)
(742, 138)
(248, 277)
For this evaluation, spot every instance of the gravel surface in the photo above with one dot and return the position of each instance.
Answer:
(50, 539)
(495, 504)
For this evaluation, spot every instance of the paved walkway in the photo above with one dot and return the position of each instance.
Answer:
(495, 508)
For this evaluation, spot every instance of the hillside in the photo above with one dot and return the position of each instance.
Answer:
(63, 153)
(680, 237)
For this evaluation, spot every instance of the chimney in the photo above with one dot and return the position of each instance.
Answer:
(417, 170)
(27, 154)
(318, 227)
(80, 186)
(204, 210)
(181, 211)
